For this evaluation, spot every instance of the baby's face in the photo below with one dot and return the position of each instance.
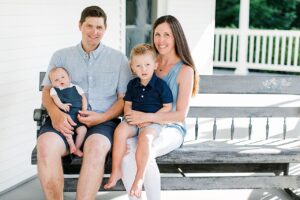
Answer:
(143, 66)
(59, 78)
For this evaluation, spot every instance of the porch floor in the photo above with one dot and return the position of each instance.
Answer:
(32, 191)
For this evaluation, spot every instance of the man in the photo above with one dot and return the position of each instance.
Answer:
(103, 73)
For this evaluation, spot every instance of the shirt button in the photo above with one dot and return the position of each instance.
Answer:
(142, 96)
(143, 89)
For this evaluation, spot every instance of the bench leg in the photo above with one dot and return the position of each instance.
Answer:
(293, 195)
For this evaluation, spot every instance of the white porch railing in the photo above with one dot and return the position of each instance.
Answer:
(274, 50)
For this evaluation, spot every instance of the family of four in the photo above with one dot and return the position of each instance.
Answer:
(88, 86)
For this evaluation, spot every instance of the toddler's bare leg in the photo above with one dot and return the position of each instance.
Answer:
(146, 137)
(121, 134)
(71, 143)
(81, 132)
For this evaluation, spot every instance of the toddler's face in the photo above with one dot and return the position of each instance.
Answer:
(59, 78)
(143, 66)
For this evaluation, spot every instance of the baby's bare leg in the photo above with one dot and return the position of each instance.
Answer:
(121, 134)
(146, 137)
(81, 132)
(71, 143)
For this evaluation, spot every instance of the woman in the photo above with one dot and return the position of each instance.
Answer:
(176, 67)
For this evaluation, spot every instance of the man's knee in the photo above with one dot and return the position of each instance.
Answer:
(97, 145)
(49, 145)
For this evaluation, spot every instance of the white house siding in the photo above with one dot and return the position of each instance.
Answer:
(197, 18)
(30, 32)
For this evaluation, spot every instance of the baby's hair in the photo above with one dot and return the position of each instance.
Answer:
(56, 68)
(142, 49)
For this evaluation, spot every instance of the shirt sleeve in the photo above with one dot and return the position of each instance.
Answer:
(128, 94)
(54, 61)
(124, 76)
(166, 93)
(53, 92)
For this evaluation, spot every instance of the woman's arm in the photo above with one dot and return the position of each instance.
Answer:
(185, 80)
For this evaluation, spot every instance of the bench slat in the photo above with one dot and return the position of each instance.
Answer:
(229, 112)
(235, 84)
(208, 183)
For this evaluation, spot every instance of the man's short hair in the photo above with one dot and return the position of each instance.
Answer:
(93, 11)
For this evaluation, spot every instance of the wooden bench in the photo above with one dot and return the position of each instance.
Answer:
(267, 158)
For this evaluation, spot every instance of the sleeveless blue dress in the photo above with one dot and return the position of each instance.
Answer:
(171, 80)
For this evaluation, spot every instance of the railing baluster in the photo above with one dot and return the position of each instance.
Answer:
(215, 129)
(196, 129)
(277, 40)
(223, 36)
(251, 48)
(284, 128)
(228, 48)
(264, 47)
(270, 50)
(289, 55)
(250, 129)
(267, 129)
(232, 129)
(283, 44)
(257, 49)
(234, 48)
(296, 51)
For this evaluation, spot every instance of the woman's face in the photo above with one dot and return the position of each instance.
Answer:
(164, 39)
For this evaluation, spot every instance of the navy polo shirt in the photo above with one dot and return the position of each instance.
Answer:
(149, 98)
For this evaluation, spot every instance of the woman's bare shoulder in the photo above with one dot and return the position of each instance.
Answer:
(186, 72)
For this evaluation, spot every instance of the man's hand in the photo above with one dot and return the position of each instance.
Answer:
(62, 122)
(90, 118)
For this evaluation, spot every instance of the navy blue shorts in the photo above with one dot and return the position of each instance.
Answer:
(106, 128)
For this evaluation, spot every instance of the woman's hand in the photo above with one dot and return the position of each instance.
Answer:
(135, 117)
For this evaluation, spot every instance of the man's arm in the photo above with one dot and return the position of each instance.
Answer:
(60, 120)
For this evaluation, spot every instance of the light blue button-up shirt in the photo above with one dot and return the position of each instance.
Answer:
(102, 74)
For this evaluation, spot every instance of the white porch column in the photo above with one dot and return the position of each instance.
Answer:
(243, 37)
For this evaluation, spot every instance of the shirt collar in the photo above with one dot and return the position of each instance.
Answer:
(93, 54)
(151, 83)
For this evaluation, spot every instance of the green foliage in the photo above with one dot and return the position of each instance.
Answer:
(264, 14)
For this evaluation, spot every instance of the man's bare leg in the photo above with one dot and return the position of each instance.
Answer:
(50, 149)
(143, 151)
(95, 150)
(122, 133)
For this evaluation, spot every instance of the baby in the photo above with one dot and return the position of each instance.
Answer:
(69, 98)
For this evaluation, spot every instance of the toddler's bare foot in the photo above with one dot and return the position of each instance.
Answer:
(78, 152)
(113, 179)
(136, 188)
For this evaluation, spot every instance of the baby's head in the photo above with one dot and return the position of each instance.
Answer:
(59, 77)
(143, 61)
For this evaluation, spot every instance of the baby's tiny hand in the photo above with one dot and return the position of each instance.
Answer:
(66, 107)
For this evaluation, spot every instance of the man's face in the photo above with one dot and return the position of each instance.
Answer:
(92, 29)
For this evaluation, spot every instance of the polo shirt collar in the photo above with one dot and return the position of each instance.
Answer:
(151, 82)
(93, 54)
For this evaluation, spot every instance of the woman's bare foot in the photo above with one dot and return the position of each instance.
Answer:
(113, 179)
(136, 188)
(78, 152)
